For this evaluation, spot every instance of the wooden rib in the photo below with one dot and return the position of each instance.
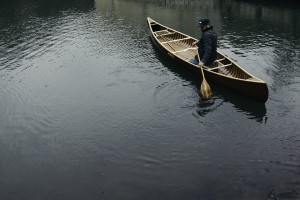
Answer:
(241, 75)
(184, 50)
(237, 73)
(175, 43)
(174, 47)
(175, 40)
(231, 73)
(185, 43)
(178, 46)
(223, 71)
(234, 72)
(167, 39)
(220, 67)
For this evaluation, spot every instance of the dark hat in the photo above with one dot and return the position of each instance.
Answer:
(203, 22)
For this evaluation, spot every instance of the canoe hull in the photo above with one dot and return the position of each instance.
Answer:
(253, 89)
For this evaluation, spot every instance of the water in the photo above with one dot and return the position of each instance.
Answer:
(89, 109)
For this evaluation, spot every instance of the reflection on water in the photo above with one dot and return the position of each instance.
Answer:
(90, 109)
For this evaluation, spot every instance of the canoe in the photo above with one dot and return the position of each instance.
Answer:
(226, 72)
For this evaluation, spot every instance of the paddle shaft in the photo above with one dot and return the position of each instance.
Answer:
(201, 66)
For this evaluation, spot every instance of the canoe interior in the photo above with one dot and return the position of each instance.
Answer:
(180, 45)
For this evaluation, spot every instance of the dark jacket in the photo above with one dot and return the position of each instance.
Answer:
(207, 46)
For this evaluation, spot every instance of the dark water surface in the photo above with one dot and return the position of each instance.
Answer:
(89, 109)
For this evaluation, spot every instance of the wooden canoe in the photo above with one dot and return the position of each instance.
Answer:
(226, 72)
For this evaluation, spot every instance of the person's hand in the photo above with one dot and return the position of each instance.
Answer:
(201, 64)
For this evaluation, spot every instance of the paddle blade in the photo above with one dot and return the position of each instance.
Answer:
(205, 90)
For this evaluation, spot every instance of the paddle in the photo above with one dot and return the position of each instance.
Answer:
(205, 89)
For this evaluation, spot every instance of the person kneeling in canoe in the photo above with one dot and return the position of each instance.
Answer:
(207, 46)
